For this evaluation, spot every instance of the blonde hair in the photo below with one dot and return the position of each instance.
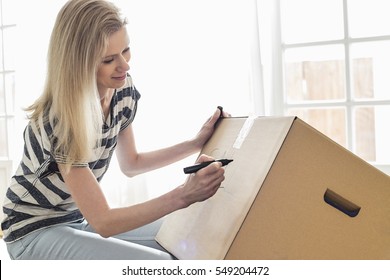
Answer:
(77, 45)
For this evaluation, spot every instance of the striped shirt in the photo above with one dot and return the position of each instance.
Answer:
(37, 196)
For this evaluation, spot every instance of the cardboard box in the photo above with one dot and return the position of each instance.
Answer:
(290, 193)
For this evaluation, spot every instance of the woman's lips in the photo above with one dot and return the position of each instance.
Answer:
(120, 78)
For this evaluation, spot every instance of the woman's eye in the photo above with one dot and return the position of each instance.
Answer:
(108, 61)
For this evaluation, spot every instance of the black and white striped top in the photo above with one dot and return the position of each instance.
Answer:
(38, 197)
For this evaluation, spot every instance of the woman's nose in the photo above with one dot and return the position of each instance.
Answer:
(123, 65)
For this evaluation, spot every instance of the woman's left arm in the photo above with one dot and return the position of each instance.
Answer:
(132, 162)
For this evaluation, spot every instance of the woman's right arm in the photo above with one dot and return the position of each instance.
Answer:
(107, 221)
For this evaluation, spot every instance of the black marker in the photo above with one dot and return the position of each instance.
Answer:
(197, 167)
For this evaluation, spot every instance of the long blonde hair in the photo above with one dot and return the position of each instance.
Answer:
(77, 45)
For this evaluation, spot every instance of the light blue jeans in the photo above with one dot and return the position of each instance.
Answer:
(78, 241)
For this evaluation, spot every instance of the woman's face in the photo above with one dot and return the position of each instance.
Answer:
(112, 70)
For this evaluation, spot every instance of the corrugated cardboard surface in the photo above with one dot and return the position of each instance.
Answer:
(206, 230)
(272, 203)
(290, 219)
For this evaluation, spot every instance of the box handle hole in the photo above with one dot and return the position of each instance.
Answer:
(341, 204)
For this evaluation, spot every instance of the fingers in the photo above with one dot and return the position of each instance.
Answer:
(211, 168)
(203, 158)
(226, 114)
(204, 183)
(212, 176)
(222, 113)
(219, 114)
(210, 186)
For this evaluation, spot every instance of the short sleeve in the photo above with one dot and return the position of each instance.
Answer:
(130, 97)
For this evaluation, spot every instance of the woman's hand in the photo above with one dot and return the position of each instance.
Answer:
(203, 184)
(208, 128)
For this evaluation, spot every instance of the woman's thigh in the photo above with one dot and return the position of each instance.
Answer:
(143, 236)
(72, 242)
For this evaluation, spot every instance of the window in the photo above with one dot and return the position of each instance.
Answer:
(335, 71)
(7, 77)
(7, 90)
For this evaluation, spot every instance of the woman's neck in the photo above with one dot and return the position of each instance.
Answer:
(105, 102)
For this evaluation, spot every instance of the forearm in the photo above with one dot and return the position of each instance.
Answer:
(124, 219)
(198, 187)
(90, 199)
(133, 163)
(148, 161)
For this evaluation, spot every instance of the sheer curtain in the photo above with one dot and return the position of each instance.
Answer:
(188, 57)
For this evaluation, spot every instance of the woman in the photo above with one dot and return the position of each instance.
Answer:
(55, 208)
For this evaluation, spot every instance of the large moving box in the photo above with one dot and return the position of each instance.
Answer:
(290, 193)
